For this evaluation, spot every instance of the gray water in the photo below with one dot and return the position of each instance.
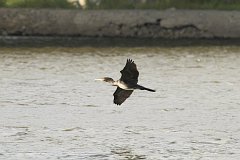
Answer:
(51, 107)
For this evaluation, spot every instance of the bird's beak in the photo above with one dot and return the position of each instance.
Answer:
(99, 79)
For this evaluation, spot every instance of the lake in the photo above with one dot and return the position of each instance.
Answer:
(51, 107)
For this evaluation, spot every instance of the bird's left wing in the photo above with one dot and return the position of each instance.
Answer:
(130, 73)
(120, 95)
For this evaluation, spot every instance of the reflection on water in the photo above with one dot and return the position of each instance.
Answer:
(51, 107)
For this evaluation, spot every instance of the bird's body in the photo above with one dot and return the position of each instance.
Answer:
(122, 85)
(127, 83)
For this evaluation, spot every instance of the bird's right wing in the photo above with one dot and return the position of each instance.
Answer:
(120, 95)
(130, 73)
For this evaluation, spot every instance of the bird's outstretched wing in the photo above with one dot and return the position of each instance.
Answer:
(120, 95)
(130, 73)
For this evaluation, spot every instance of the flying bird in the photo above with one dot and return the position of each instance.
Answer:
(126, 84)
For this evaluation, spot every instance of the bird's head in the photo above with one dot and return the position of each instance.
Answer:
(105, 79)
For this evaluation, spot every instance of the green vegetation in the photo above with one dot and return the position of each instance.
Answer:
(126, 4)
(164, 4)
(2, 3)
(38, 4)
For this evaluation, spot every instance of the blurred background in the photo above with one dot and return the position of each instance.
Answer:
(124, 4)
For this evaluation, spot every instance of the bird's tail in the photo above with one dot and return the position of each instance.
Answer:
(144, 88)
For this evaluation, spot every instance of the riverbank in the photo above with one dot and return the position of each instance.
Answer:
(168, 24)
(64, 41)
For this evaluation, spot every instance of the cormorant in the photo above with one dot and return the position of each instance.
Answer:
(126, 84)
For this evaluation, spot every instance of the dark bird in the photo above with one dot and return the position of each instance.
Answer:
(126, 84)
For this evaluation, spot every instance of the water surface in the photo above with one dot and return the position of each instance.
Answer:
(51, 107)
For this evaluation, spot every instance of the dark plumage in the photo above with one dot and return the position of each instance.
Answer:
(120, 95)
(127, 83)
(130, 73)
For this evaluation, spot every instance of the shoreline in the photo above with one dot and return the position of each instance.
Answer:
(66, 41)
(152, 24)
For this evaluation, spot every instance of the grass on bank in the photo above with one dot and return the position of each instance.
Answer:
(164, 4)
(36, 4)
(127, 4)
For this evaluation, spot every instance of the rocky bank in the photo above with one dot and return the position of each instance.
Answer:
(172, 24)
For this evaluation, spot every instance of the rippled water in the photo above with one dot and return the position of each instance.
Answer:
(51, 107)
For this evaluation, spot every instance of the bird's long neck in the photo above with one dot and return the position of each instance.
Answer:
(115, 83)
(118, 83)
